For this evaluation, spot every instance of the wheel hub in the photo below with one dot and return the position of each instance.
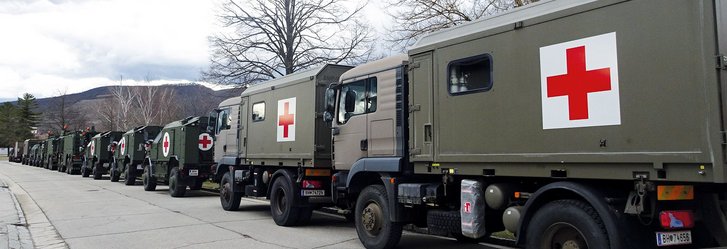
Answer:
(371, 218)
(565, 236)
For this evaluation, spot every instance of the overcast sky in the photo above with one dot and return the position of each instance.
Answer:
(52, 46)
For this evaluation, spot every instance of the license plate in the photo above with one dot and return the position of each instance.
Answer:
(138, 166)
(313, 192)
(673, 238)
(193, 172)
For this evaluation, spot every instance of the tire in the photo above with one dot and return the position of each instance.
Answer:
(129, 177)
(176, 188)
(150, 182)
(569, 223)
(114, 172)
(373, 226)
(282, 199)
(228, 198)
(448, 223)
(97, 172)
(84, 170)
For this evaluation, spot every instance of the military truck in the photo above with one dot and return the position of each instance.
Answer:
(74, 149)
(99, 152)
(27, 145)
(36, 154)
(275, 144)
(53, 147)
(181, 155)
(130, 151)
(17, 155)
(625, 149)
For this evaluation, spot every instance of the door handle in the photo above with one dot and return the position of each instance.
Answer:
(224, 148)
(364, 145)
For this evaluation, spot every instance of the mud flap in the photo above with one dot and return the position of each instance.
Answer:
(472, 210)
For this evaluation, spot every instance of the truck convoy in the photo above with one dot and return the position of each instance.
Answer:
(99, 154)
(130, 152)
(181, 156)
(568, 123)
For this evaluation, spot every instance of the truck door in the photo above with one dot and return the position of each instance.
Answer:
(354, 103)
(241, 134)
(420, 99)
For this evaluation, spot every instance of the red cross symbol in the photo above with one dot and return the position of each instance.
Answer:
(578, 82)
(467, 207)
(205, 141)
(286, 119)
(166, 143)
(123, 145)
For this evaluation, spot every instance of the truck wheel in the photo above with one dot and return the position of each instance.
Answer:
(281, 203)
(129, 177)
(228, 198)
(176, 189)
(150, 182)
(84, 170)
(567, 224)
(114, 172)
(97, 172)
(373, 226)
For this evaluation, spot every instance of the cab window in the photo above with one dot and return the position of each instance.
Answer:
(364, 96)
(223, 120)
(258, 112)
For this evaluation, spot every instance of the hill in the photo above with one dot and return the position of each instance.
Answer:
(91, 107)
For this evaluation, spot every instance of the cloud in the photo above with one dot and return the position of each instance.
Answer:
(49, 45)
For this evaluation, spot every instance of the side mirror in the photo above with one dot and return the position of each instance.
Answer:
(327, 117)
(350, 100)
(330, 100)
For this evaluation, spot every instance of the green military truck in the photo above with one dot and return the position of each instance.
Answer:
(53, 149)
(181, 155)
(27, 145)
(17, 155)
(99, 154)
(130, 152)
(74, 149)
(273, 143)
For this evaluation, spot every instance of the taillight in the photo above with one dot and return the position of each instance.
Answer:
(676, 219)
(312, 184)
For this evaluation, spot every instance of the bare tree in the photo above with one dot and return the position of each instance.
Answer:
(414, 18)
(107, 113)
(145, 98)
(123, 98)
(273, 38)
(167, 105)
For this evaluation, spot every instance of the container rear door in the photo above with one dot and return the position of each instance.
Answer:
(420, 99)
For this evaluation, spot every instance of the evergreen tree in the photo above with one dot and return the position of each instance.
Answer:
(9, 116)
(28, 118)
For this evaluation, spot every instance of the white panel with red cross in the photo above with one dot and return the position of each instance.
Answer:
(122, 146)
(286, 120)
(166, 144)
(205, 142)
(579, 83)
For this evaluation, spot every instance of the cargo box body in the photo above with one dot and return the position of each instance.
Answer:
(133, 142)
(667, 120)
(183, 149)
(264, 115)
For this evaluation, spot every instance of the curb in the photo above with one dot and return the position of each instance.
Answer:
(33, 220)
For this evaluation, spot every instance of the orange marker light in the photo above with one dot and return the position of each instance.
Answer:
(675, 192)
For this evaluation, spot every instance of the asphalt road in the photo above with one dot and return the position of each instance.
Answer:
(64, 211)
